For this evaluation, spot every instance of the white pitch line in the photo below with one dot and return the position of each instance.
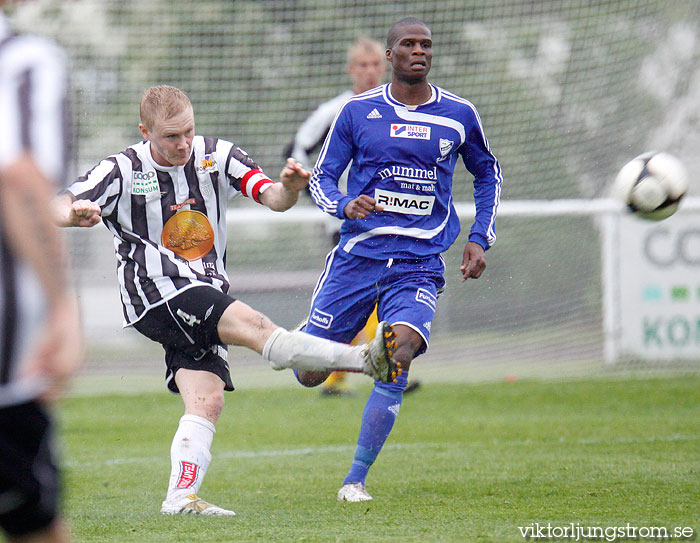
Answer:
(244, 454)
(389, 446)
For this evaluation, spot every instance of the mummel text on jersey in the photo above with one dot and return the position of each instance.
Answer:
(404, 157)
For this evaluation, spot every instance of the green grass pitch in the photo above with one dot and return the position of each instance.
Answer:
(465, 463)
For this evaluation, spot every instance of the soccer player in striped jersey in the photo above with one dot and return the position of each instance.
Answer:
(164, 199)
(404, 140)
(40, 337)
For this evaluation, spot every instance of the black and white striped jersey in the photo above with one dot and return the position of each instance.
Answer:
(33, 119)
(139, 197)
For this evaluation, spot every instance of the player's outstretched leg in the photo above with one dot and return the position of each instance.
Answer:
(301, 351)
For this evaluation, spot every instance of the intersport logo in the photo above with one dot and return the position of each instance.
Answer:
(411, 131)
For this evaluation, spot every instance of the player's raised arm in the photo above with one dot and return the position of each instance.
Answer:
(283, 195)
(67, 212)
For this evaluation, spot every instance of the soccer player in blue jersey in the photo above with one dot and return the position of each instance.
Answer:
(404, 140)
(366, 67)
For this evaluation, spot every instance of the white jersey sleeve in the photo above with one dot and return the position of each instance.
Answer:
(313, 130)
(33, 102)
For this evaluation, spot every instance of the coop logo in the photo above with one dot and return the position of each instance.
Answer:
(144, 183)
(188, 474)
(665, 248)
(208, 165)
(410, 131)
(408, 204)
(426, 297)
(144, 176)
(321, 319)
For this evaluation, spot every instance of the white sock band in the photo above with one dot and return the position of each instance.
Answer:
(301, 351)
(190, 455)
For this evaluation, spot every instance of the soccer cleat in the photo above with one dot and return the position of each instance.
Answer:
(379, 355)
(194, 505)
(353, 492)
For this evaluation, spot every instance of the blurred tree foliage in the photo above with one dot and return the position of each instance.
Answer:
(567, 92)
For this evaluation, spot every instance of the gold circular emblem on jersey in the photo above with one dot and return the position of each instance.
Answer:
(189, 234)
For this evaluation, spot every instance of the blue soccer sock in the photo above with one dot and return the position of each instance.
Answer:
(377, 421)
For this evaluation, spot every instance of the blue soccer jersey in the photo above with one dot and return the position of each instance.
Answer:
(404, 157)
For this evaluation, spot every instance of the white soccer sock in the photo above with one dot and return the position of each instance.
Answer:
(189, 455)
(301, 351)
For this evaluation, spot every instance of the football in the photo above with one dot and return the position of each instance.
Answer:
(651, 185)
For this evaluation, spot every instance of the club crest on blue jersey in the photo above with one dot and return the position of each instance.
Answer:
(410, 131)
(445, 148)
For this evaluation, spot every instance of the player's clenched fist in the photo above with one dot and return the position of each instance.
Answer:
(361, 207)
(66, 212)
(84, 213)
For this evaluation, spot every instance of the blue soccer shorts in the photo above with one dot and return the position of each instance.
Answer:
(405, 291)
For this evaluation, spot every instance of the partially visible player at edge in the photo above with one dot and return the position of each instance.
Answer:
(366, 66)
(404, 139)
(165, 201)
(40, 337)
